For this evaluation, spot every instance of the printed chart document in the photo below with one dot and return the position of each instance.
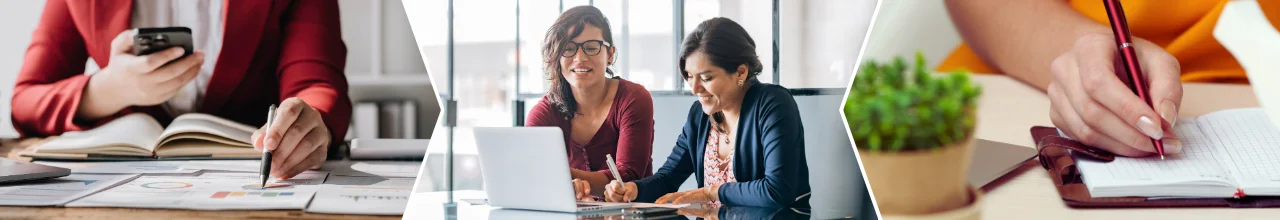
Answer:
(58, 191)
(122, 167)
(209, 191)
(366, 195)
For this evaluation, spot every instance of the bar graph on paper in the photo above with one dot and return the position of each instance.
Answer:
(226, 194)
(357, 198)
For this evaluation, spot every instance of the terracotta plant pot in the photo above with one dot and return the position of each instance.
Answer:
(920, 182)
(971, 211)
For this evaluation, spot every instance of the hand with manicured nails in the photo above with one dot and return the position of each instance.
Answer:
(705, 194)
(145, 80)
(1091, 104)
(620, 192)
(298, 139)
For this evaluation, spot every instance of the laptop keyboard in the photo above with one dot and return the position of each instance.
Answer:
(580, 205)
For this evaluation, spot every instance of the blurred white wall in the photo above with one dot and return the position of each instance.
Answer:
(904, 27)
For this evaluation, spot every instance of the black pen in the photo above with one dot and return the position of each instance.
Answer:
(266, 154)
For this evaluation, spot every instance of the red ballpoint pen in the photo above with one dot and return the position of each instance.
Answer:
(1127, 59)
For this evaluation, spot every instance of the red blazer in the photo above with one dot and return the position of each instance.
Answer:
(271, 50)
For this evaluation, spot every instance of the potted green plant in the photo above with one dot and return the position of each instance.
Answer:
(914, 132)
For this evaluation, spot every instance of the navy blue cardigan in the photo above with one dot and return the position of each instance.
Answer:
(769, 159)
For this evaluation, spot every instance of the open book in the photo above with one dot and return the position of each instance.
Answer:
(139, 137)
(1224, 153)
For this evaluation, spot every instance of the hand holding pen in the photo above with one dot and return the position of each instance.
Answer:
(1091, 102)
(297, 139)
(618, 191)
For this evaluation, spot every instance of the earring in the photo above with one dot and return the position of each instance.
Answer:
(741, 81)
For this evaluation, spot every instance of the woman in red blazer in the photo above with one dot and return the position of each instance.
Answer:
(287, 52)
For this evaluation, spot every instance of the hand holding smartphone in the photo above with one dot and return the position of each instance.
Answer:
(147, 67)
(151, 40)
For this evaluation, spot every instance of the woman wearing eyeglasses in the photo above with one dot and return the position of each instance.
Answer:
(743, 140)
(599, 113)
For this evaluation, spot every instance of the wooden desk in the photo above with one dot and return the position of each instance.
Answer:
(1009, 108)
(11, 147)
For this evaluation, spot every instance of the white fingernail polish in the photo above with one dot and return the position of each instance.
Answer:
(1150, 128)
(1172, 146)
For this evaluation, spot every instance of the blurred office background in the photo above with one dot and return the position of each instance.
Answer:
(494, 74)
(384, 69)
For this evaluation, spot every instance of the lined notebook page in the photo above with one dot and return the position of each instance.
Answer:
(1198, 160)
(1251, 141)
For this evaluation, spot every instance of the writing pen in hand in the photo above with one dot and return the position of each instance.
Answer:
(613, 168)
(266, 154)
(1127, 59)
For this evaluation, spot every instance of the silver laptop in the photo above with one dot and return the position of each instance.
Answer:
(991, 160)
(527, 168)
(14, 171)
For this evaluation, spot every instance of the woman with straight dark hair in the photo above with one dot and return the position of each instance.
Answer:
(743, 141)
(599, 113)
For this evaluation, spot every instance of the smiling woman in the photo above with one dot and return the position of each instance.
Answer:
(742, 141)
(600, 115)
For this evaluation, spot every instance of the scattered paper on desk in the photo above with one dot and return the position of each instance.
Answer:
(209, 191)
(224, 165)
(58, 191)
(367, 195)
(122, 167)
(375, 168)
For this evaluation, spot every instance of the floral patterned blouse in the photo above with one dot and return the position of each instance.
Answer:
(717, 171)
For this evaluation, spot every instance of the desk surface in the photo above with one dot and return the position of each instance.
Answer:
(10, 148)
(1009, 108)
(430, 205)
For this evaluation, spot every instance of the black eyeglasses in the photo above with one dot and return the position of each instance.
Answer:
(591, 48)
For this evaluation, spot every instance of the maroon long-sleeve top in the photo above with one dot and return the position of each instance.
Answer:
(627, 134)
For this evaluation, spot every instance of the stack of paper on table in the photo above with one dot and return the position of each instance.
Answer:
(366, 187)
(58, 191)
(369, 195)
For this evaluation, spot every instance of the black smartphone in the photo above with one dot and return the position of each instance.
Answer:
(151, 40)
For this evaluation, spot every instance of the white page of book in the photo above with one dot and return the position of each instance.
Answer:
(1251, 147)
(370, 195)
(138, 129)
(208, 191)
(58, 191)
(1198, 166)
(203, 123)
